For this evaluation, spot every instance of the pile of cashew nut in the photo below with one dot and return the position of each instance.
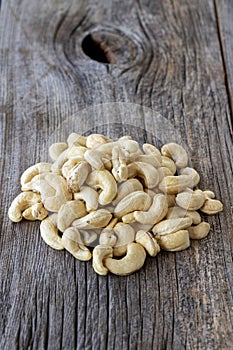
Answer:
(114, 201)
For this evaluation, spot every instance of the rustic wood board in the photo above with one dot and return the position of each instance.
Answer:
(170, 58)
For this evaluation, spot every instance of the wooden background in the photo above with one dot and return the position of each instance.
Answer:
(171, 56)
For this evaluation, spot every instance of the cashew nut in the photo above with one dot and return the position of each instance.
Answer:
(125, 234)
(119, 170)
(49, 232)
(192, 174)
(76, 140)
(156, 212)
(177, 212)
(68, 212)
(211, 206)
(175, 184)
(176, 153)
(133, 261)
(191, 200)
(88, 237)
(199, 231)
(89, 196)
(107, 237)
(40, 185)
(148, 158)
(59, 162)
(163, 172)
(56, 149)
(146, 172)
(35, 212)
(69, 165)
(126, 188)
(171, 225)
(61, 196)
(34, 170)
(71, 240)
(99, 253)
(137, 200)
(104, 180)
(152, 150)
(168, 163)
(95, 219)
(23, 201)
(95, 140)
(174, 242)
(77, 176)
(147, 240)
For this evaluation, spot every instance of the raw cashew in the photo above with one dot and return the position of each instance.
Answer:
(97, 159)
(71, 240)
(23, 201)
(62, 195)
(49, 232)
(95, 140)
(76, 140)
(77, 176)
(152, 150)
(168, 163)
(95, 219)
(175, 184)
(191, 200)
(192, 174)
(147, 240)
(119, 170)
(34, 170)
(89, 196)
(56, 149)
(126, 188)
(138, 227)
(76, 152)
(35, 212)
(99, 253)
(107, 237)
(69, 165)
(68, 212)
(137, 200)
(171, 225)
(163, 172)
(208, 194)
(199, 231)
(125, 234)
(156, 212)
(59, 162)
(103, 179)
(40, 185)
(128, 218)
(130, 148)
(211, 206)
(88, 237)
(146, 172)
(133, 261)
(174, 242)
(177, 212)
(148, 158)
(176, 153)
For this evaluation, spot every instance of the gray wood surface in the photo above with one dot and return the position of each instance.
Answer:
(174, 58)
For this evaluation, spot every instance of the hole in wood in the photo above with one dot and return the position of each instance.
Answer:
(97, 49)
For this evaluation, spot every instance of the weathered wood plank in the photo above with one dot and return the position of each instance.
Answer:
(167, 62)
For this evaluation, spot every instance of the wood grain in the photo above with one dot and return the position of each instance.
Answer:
(175, 63)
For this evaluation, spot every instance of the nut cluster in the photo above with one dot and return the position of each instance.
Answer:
(122, 199)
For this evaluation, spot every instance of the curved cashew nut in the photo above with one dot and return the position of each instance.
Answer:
(107, 237)
(130, 148)
(208, 194)
(199, 231)
(146, 172)
(147, 240)
(168, 163)
(212, 206)
(77, 176)
(59, 162)
(89, 196)
(72, 242)
(192, 200)
(68, 165)
(152, 150)
(192, 174)
(126, 188)
(125, 234)
(174, 184)
(68, 212)
(133, 261)
(76, 152)
(34, 170)
(62, 194)
(88, 237)
(177, 212)
(128, 218)
(38, 184)
(35, 212)
(120, 170)
(163, 172)
(49, 232)
(137, 200)
(176, 153)
(174, 242)
(95, 219)
(156, 212)
(95, 140)
(171, 225)
(138, 227)
(56, 149)
(148, 158)
(103, 179)
(76, 140)
(99, 253)
(23, 201)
